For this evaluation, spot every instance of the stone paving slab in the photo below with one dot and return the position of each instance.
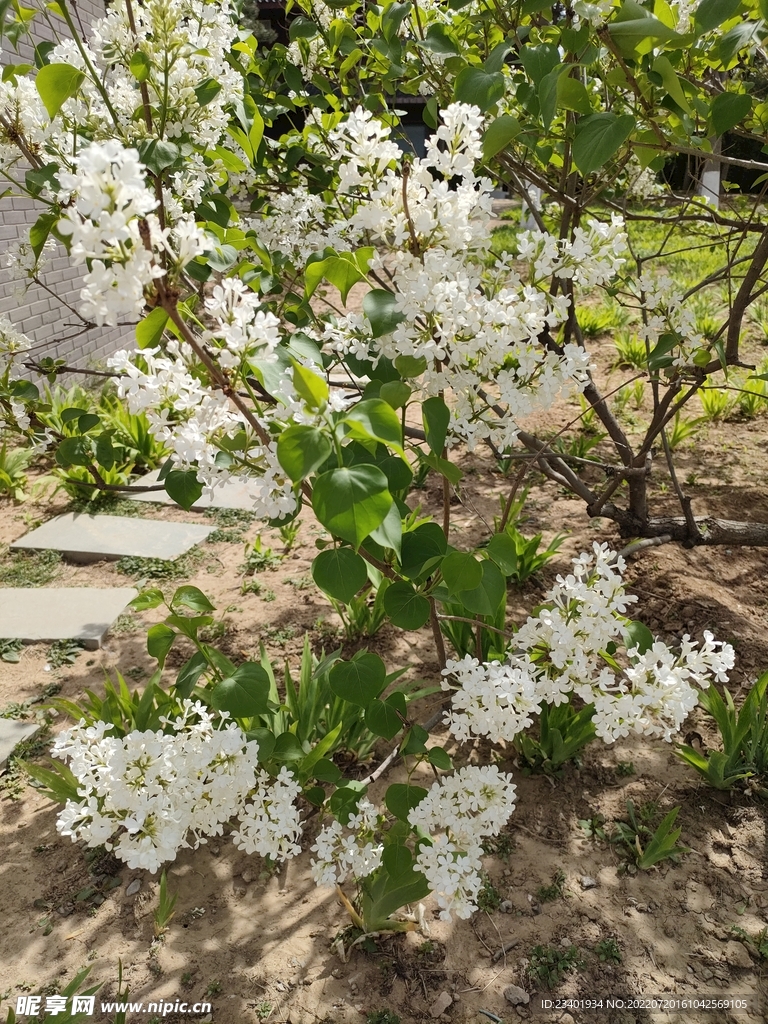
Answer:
(87, 538)
(12, 732)
(237, 494)
(61, 613)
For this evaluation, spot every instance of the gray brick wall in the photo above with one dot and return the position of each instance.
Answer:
(51, 326)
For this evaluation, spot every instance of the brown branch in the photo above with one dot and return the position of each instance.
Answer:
(712, 531)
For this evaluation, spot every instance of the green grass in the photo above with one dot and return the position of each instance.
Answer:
(28, 568)
(108, 506)
(161, 569)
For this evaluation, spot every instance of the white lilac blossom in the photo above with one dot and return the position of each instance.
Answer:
(13, 343)
(23, 264)
(190, 419)
(270, 824)
(350, 850)
(464, 809)
(242, 330)
(150, 793)
(664, 312)
(477, 328)
(103, 224)
(595, 13)
(560, 651)
(453, 876)
(472, 804)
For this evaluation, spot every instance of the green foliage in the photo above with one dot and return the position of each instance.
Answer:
(519, 557)
(643, 846)
(716, 403)
(744, 738)
(548, 965)
(10, 651)
(259, 557)
(554, 891)
(161, 568)
(364, 614)
(489, 898)
(563, 732)
(608, 951)
(14, 778)
(130, 432)
(14, 463)
(63, 653)
(680, 430)
(28, 569)
(165, 907)
(753, 399)
(382, 1017)
(463, 634)
(288, 535)
(757, 944)
(597, 320)
(631, 351)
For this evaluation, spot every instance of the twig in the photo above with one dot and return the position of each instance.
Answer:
(504, 950)
(474, 622)
(640, 545)
(437, 635)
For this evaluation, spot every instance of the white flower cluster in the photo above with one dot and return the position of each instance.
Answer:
(301, 223)
(270, 824)
(477, 328)
(147, 794)
(467, 807)
(562, 649)
(591, 257)
(23, 264)
(595, 12)
(24, 118)
(103, 225)
(13, 343)
(190, 417)
(348, 851)
(243, 330)
(666, 312)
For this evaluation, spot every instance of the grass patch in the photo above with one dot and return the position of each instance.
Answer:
(548, 965)
(28, 568)
(160, 568)
(14, 779)
(106, 506)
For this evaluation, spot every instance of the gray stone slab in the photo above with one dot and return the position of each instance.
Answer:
(61, 613)
(233, 494)
(85, 538)
(12, 732)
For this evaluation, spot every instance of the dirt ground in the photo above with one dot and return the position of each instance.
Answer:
(257, 946)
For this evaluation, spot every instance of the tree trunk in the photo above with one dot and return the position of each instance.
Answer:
(729, 532)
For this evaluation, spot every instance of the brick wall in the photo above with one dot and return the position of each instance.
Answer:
(38, 313)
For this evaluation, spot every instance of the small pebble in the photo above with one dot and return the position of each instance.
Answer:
(248, 876)
(441, 1004)
(587, 882)
(133, 887)
(516, 996)
(506, 906)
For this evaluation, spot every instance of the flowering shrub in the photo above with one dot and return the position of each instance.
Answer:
(212, 190)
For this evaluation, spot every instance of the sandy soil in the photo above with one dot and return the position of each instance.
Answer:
(257, 945)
